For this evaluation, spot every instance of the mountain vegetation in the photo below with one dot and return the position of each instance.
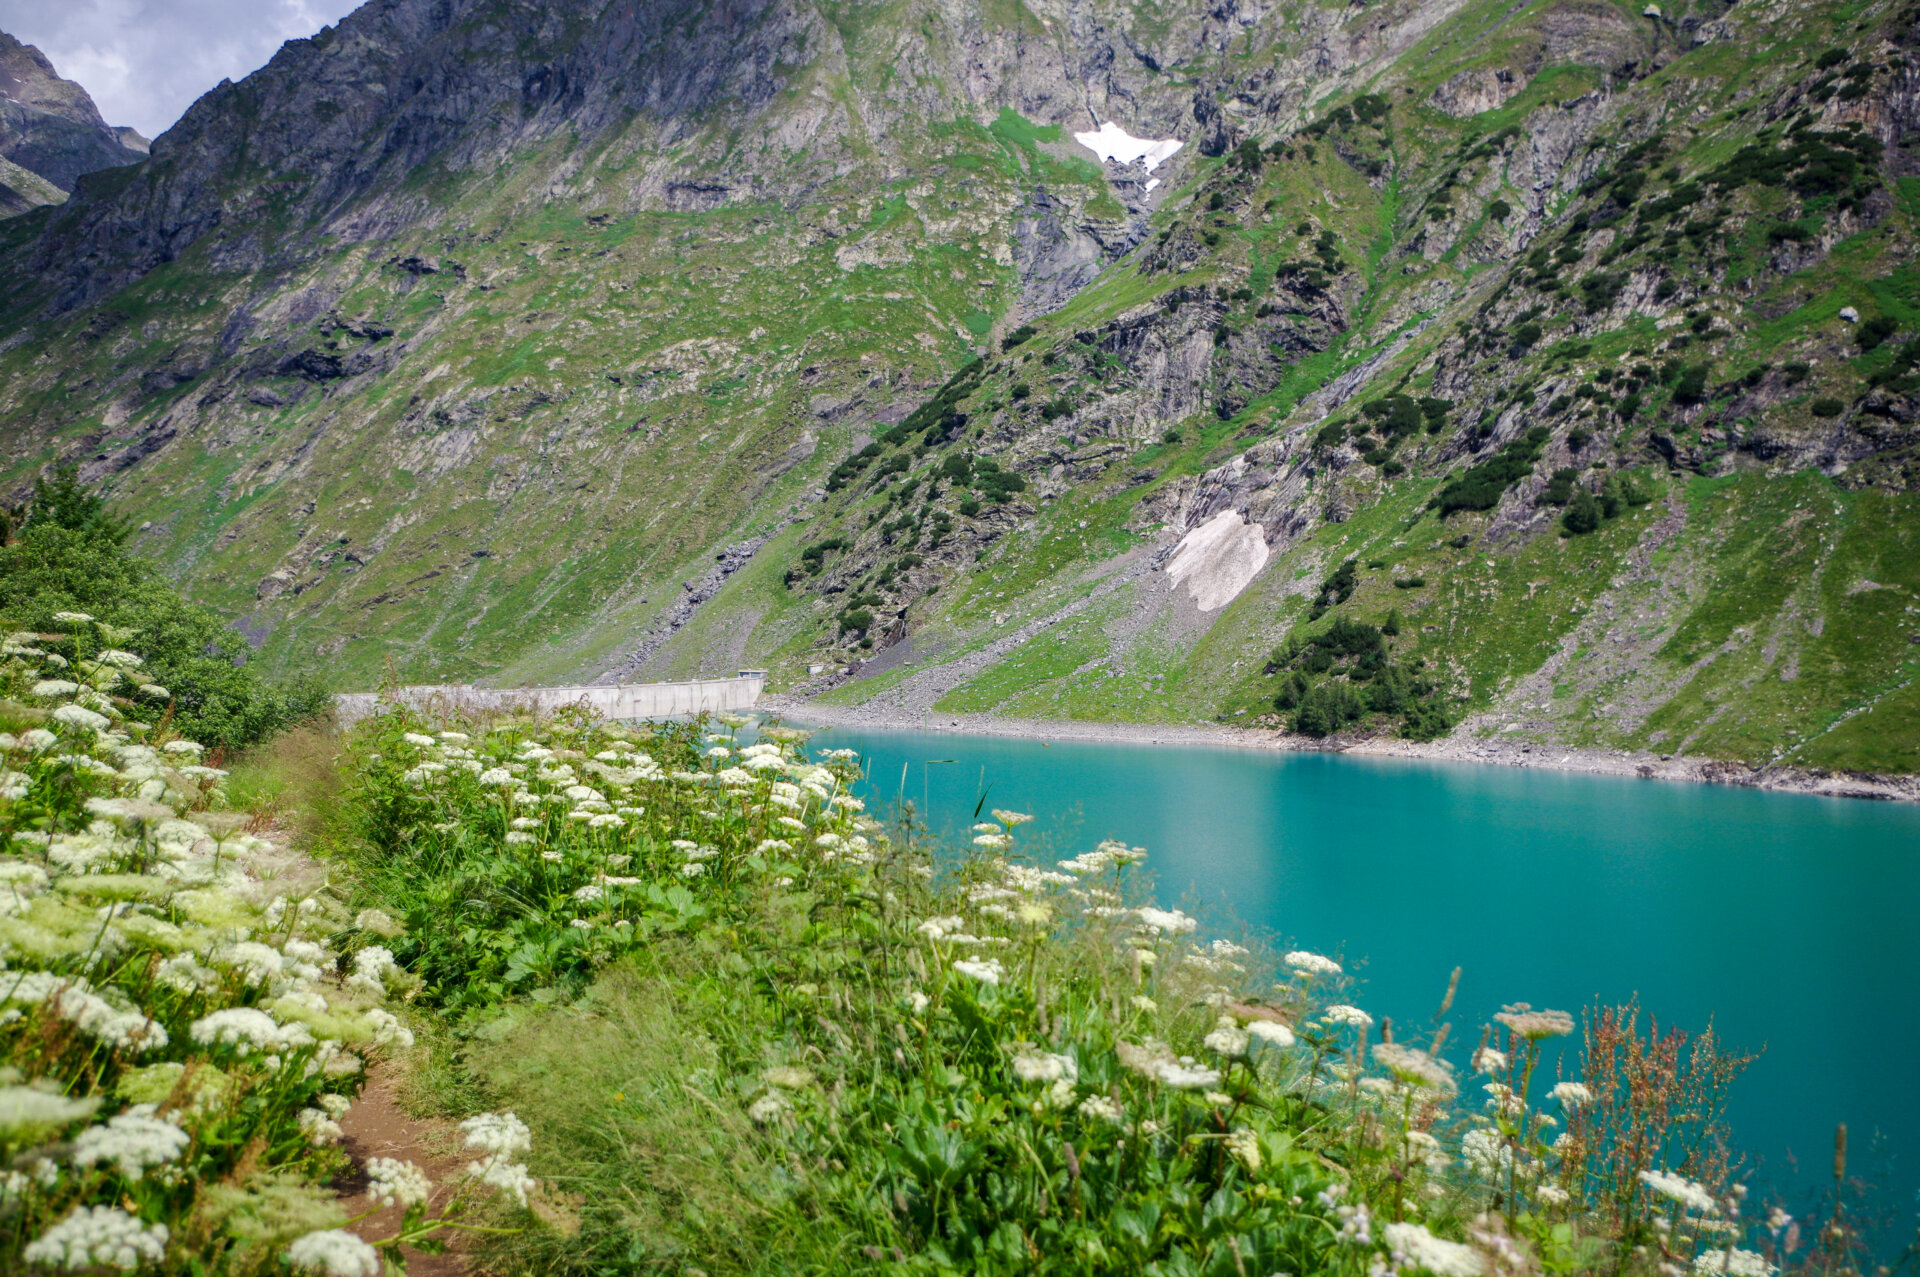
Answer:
(1571, 351)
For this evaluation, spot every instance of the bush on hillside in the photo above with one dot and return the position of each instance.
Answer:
(70, 556)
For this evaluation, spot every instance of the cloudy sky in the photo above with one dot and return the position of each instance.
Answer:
(145, 61)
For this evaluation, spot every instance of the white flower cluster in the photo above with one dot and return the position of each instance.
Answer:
(135, 928)
(501, 1137)
(390, 1180)
(133, 1143)
(100, 1237)
(334, 1253)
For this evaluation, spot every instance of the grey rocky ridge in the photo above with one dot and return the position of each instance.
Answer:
(1544, 373)
(51, 134)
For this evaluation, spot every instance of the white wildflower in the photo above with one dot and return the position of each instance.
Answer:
(1414, 1247)
(1187, 1077)
(510, 1178)
(388, 1031)
(1244, 1145)
(1100, 1108)
(1006, 817)
(985, 970)
(1414, 1067)
(248, 1030)
(1489, 1061)
(1733, 1262)
(1272, 1032)
(101, 1237)
(1227, 1038)
(1044, 1066)
(1528, 1023)
(371, 967)
(1553, 1195)
(184, 973)
(1485, 1153)
(1692, 1195)
(390, 1180)
(335, 1253)
(379, 922)
(1309, 963)
(1571, 1094)
(1350, 1016)
(134, 1142)
(55, 687)
(501, 1134)
(768, 1108)
(1170, 922)
(77, 716)
(319, 1127)
(28, 1109)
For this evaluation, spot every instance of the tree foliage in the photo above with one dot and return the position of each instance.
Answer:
(70, 555)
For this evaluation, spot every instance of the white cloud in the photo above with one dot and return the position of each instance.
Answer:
(145, 61)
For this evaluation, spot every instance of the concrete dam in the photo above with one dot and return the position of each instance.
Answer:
(628, 700)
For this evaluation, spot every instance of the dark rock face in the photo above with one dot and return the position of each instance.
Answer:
(359, 108)
(49, 126)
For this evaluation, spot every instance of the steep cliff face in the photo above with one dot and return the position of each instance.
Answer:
(50, 128)
(483, 340)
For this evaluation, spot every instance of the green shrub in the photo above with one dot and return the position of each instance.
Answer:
(814, 557)
(1326, 708)
(1872, 332)
(1023, 333)
(70, 556)
(1426, 720)
(1336, 589)
(1826, 406)
(1582, 514)
(1691, 387)
(1480, 487)
(1499, 210)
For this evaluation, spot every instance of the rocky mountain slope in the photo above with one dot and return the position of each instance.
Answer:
(1545, 371)
(50, 132)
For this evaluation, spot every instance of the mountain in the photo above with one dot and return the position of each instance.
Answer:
(1544, 372)
(50, 132)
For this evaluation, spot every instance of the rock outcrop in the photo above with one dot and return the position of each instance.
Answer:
(51, 128)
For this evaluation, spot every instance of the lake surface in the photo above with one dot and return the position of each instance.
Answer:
(1792, 922)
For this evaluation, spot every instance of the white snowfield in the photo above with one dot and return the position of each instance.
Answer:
(1218, 559)
(1111, 142)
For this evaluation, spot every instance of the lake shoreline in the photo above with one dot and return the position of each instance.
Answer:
(1646, 766)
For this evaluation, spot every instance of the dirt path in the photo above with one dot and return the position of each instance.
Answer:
(376, 1126)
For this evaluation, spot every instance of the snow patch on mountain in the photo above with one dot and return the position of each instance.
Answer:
(1111, 142)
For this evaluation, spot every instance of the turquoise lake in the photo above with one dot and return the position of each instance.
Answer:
(1790, 921)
